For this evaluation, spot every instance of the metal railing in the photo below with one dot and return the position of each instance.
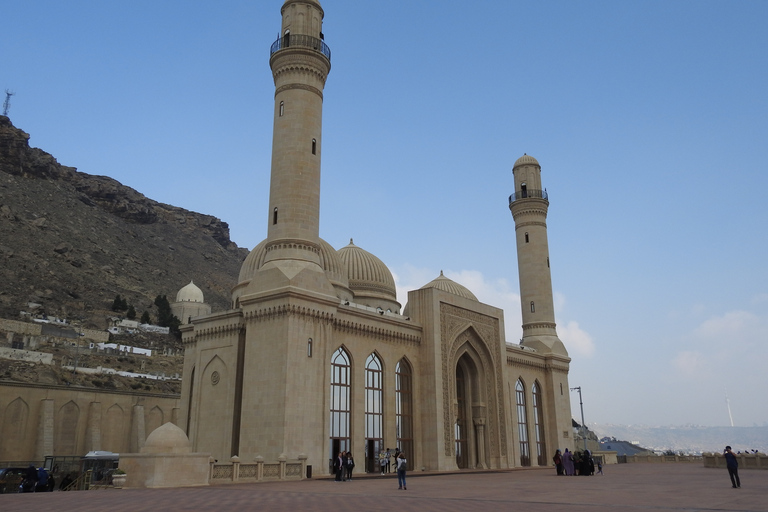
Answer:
(301, 41)
(528, 193)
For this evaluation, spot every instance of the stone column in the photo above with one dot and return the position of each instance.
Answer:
(480, 436)
(138, 433)
(45, 430)
(93, 428)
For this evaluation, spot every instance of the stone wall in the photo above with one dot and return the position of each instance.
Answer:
(746, 461)
(38, 420)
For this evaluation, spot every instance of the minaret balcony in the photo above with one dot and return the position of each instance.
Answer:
(301, 41)
(528, 194)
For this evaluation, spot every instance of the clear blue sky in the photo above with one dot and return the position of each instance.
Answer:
(649, 119)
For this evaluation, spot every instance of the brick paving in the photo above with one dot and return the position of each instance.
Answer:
(624, 487)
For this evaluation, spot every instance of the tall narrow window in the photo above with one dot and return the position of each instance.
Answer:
(522, 424)
(526, 238)
(533, 307)
(314, 146)
(274, 216)
(404, 398)
(547, 261)
(282, 108)
(373, 413)
(524, 190)
(287, 39)
(538, 418)
(462, 456)
(309, 347)
(340, 405)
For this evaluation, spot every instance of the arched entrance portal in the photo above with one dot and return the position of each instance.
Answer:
(471, 414)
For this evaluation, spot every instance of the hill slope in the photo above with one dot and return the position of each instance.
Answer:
(72, 241)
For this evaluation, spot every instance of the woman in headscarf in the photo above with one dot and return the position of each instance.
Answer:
(568, 463)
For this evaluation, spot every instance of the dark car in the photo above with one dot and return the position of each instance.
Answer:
(10, 479)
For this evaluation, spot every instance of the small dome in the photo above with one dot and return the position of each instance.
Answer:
(525, 160)
(190, 293)
(450, 286)
(369, 278)
(167, 438)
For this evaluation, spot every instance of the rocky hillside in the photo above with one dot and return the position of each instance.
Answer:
(71, 241)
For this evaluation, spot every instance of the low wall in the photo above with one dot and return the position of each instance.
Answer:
(658, 459)
(19, 354)
(746, 461)
(236, 472)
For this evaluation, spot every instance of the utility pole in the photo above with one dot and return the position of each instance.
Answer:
(7, 102)
(583, 426)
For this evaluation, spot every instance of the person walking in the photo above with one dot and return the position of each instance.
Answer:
(338, 467)
(350, 465)
(401, 464)
(733, 467)
(558, 460)
(388, 455)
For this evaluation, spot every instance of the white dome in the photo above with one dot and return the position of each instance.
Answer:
(190, 293)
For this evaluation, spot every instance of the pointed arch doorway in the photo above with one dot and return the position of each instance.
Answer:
(470, 413)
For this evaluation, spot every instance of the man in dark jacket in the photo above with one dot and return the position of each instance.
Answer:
(733, 467)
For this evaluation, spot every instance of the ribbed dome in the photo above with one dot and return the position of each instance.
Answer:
(366, 272)
(329, 260)
(253, 262)
(525, 159)
(450, 286)
(190, 293)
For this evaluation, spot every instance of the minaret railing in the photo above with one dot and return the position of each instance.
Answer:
(301, 41)
(525, 194)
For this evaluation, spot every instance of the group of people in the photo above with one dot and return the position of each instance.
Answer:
(385, 460)
(569, 464)
(345, 463)
(37, 480)
(343, 466)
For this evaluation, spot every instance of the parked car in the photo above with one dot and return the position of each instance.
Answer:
(10, 479)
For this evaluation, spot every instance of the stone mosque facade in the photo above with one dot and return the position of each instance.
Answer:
(317, 356)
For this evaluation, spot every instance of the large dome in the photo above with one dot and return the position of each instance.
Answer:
(369, 278)
(448, 285)
(329, 260)
(525, 160)
(190, 293)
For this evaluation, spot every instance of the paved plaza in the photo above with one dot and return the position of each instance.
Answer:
(625, 487)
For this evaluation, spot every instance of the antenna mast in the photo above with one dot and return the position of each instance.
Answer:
(7, 102)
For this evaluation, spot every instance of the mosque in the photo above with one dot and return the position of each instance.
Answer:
(317, 356)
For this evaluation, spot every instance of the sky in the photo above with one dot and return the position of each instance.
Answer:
(649, 119)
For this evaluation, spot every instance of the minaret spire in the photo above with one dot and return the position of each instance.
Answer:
(529, 205)
(300, 62)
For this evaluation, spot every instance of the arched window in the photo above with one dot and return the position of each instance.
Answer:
(526, 238)
(374, 413)
(282, 108)
(404, 398)
(538, 417)
(274, 216)
(522, 424)
(340, 403)
(314, 146)
(533, 307)
(287, 39)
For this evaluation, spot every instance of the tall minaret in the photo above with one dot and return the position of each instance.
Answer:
(300, 62)
(529, 205)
